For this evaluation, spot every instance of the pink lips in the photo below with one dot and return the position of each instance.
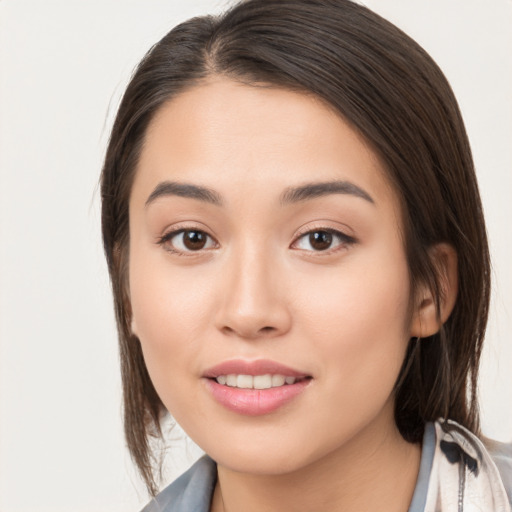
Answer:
(254, 402)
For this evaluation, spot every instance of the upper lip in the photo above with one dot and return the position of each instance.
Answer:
(256, 367)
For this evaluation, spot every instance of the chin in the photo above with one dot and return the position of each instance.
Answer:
(268, 453)
(259, 462)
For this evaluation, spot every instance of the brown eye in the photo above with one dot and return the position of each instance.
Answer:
(323, 240)
(194, 240)
(186, 241)
(320, 240)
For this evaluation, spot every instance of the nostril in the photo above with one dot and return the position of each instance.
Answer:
(248, 333)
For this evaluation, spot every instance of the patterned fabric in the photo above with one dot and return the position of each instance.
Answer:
(464, 478)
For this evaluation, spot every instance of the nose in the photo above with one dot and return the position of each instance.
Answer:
(254, 303)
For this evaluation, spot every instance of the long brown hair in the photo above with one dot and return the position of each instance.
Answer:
(388, 88)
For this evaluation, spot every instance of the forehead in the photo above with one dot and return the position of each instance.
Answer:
(247, 139)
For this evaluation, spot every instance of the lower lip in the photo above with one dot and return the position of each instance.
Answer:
(255, 402)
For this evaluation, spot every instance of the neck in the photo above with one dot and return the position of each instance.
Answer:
(374, 471)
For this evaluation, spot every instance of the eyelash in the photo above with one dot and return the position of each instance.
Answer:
(343, 239)
(168, 237)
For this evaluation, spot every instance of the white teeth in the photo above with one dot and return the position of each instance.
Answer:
(231, 380)
(255, 382)
(244, 381)
(262, 381)
(278, 380)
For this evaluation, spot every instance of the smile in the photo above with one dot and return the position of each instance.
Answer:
(254, 388)
(255, 382)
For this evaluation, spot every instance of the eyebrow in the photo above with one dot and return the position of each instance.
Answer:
(313, 190)
(173, 188)
(290, 195)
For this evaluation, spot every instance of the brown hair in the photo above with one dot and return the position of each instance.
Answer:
(388, 88)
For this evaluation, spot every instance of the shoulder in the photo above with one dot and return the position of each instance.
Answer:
(191, 491)
(501, 454)
(489, 464)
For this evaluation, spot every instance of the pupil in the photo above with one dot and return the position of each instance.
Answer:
(194, 240)
(320, 240)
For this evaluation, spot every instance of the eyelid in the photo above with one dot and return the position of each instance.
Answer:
(346, 240)
(175, 230)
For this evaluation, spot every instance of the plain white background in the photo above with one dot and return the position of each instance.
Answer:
(63, 67)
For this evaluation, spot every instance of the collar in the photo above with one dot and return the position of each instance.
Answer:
(463, 478)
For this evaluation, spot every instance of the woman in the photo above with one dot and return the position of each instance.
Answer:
(300, 267)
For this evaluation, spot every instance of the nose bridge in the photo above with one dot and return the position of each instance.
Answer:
(253, 304)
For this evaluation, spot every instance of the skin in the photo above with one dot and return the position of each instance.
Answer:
(259, 290)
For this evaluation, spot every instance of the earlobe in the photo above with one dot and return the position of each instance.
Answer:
(426, 321)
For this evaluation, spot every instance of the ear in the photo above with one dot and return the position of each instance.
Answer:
(425, 321)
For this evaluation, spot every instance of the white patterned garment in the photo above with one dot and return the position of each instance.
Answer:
(464, 478)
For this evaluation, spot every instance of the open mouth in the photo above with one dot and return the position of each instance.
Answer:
(255, 387)
(266, 381)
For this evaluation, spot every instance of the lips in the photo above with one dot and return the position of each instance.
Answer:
(254, 387)
(258, 367)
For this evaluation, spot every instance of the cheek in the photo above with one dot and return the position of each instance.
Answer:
(361, 319)
(169, 310)
(169, 315)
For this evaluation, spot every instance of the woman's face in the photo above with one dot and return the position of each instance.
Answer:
(269, 284)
